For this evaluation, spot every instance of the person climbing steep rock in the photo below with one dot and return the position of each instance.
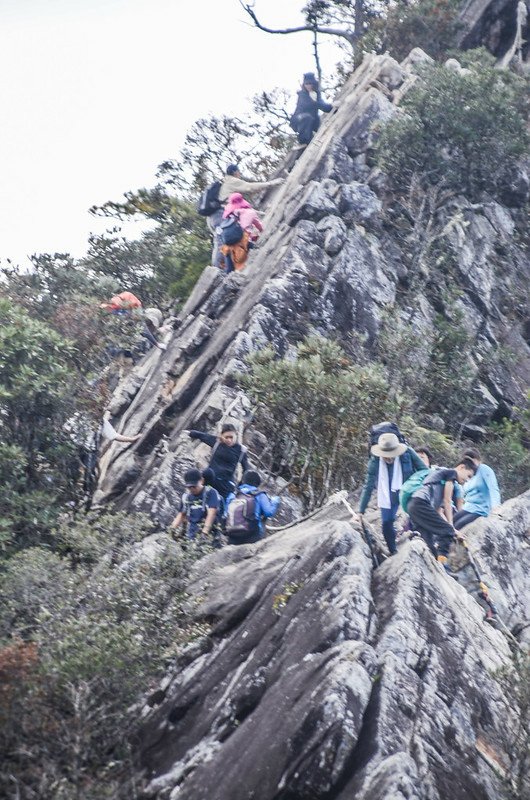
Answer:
(246, 510)
(240, 228)
(416, 480)
(89, 442)
(199, 508)
(431, 510)
(153, 329)
(306, 120)
(122, 303)
(390, 464)
(225, 457)
(214, 198)
(481, 493)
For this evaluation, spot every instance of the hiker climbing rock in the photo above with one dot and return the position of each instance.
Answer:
(199, 508)
(306, 120)
(153, 328)
(89, 442)
(481, 493)
(122, 303)
(247, 508)
(225, 457)
(214, 198)
(240, 227)
(434, 496)
(416, 480)
(391, 463)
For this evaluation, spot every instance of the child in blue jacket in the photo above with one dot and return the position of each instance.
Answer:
(246, 510)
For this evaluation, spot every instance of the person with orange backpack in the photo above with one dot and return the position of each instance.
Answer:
(240, 228)
(122, 303)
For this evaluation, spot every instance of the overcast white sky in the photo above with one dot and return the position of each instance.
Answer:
(96, 93)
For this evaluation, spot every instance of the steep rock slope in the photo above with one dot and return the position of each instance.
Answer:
(324, 679)
(328, 263)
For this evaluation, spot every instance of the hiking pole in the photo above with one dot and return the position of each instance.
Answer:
(484, 594)
(367, 536)
(376, 561)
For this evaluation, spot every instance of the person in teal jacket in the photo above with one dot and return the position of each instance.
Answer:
(481, 493)
(390, 464)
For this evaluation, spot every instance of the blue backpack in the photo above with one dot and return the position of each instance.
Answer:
(231, 230)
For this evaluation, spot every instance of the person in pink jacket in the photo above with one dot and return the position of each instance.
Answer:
(236, 254)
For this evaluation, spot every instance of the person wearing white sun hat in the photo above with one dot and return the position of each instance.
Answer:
(390, 464)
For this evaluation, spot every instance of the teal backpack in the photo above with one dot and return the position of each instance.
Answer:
(411, 485)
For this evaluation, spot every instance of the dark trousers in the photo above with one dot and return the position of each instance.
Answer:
(305, 126)
(463, 518)
(229, 264)
(388, 517)
(435, 530)
(250, 539)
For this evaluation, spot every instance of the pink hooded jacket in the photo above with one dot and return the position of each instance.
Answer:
(247, 216)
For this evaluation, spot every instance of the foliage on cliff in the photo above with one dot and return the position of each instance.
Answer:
(87, 624)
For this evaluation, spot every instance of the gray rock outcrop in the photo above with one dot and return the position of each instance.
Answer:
(328, 263)
(322, 678)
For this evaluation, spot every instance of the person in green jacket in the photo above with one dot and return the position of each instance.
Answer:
(390, 464)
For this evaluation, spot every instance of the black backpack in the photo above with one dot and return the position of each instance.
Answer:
(209, 202)
(384, 427)
(231, 230)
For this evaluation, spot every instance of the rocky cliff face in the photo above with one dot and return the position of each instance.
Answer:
(330, 262)
(322, 678)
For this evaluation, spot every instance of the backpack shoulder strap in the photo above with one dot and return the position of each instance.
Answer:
(242, 454)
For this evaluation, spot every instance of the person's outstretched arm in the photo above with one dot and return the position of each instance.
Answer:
(179, 519)
(249, 187)
(323, 106)
(448, 501)
(121, 438)
(207, 438)
(268, 505)
(369, 484)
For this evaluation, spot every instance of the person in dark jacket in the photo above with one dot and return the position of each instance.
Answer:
(226, 454)
(305, 120)
(431, 507)
(391, 463)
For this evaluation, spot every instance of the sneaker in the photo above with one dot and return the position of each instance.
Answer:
(442, 560)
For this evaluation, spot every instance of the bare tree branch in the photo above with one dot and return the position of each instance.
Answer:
(350, 36)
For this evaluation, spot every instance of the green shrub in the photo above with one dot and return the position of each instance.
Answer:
(316, 410)
(464, 132)
(429, 373)
(507, 450)
(429, 24)
(83, 634)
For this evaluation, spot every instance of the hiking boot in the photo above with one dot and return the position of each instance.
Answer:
(442, 560)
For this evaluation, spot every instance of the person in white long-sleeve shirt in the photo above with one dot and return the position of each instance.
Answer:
(232, 183)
